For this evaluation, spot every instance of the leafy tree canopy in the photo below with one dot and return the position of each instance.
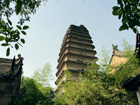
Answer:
(129, 13)
(101, 87)
(35, 90)
(10, 36)
(42, 75)
(32, 93)
(104, 58)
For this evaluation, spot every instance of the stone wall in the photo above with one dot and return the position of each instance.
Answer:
(8, 87)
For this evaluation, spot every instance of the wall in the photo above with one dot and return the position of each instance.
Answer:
(8, 88)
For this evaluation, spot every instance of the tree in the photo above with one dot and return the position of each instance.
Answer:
(42, 75)
(127, 47)
(29, 92)
(128, 11)
(33, 93)
(101, 87)
(103, 58)
(47, 96)
(10, 35)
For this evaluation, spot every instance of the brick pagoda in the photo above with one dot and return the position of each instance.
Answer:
(75, 51)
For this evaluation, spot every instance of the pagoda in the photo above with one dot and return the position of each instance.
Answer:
(75, 51)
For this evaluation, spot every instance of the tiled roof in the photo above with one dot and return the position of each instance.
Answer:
(116, 59)
(118, 53)
(5, 65)
(131, 83)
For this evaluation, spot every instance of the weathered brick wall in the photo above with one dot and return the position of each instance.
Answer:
(8, 88)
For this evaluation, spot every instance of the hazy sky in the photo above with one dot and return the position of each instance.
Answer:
(49, 25)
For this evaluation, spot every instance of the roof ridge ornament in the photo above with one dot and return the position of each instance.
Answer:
(16, 67)
(115, 47)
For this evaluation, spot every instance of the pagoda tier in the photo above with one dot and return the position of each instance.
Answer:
(76, 50)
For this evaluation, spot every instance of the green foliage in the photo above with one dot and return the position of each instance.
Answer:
(126, 70)
(128, 11)
(1, 38)
(104, 58)
(48, 96)
(67, 73)
(14, 101)
(18, 6)
(33, 93)
(8, 51)
(23, 41)
(127, 47)
(101, 87)
(9, 34)
(29, 93)
(128, 50)
(25, 27)
(42, 75)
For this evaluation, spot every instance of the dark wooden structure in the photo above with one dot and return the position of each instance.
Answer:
(10, 76)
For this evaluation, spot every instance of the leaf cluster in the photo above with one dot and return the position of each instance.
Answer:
(22, 8)
(103, 58)
(129, 13)
(43, 75)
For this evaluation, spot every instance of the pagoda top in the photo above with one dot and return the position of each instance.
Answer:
(77, 30)
(81, 28)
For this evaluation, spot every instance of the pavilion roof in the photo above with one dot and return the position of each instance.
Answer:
(10, 67)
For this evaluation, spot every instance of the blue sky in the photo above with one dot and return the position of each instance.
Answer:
(49, 25)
